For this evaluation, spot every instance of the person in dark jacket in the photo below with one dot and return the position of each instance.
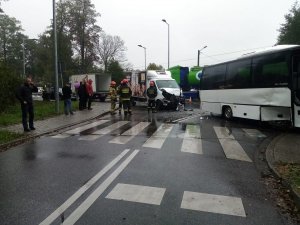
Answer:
(67, 93)
(151, 94)
(125, 95)
(82, 94)
(24, 95)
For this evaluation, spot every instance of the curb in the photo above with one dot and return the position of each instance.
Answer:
(271, 161)
(5, 146)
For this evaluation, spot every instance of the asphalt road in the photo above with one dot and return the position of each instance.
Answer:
(164, 168)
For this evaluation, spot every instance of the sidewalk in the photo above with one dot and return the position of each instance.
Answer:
(59, 122)
(284, 149)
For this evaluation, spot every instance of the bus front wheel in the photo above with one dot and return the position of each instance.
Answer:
(227, 112)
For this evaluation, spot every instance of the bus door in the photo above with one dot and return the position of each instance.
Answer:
(296, 89)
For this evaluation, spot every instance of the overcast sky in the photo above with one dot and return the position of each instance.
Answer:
(223, 26)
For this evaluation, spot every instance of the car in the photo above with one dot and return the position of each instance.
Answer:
(49, 94)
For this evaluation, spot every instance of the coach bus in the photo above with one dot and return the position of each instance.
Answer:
(264, 85)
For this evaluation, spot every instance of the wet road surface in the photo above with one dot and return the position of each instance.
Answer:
(164, 168)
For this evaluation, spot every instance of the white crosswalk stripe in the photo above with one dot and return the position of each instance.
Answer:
(213, 203)
(158, 138)
(130, 134)
(86, 127)
(106, 130)
(137, 193)
(60, 136)
(232, 149)
(192, 142)
(254, 133)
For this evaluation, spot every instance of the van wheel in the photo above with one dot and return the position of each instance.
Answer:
(133, 103)
(227, 112)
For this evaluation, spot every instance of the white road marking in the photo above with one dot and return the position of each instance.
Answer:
(159, 136)
(129, 134)
(60, 136)
(86, 127)
(137, 193)
(213, 203)
(89, 137)
(82, 190)
(254, 133)
(86, 204)
(192, 142)
(231, 148)
(111, 128)
(106, 130)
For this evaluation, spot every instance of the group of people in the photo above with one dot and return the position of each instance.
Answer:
(85, 93)
(124, 92)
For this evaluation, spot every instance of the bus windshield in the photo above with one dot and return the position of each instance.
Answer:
(166, 84)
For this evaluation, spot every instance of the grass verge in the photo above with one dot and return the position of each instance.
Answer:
(42, 110)
(291, 172)
(7, 136)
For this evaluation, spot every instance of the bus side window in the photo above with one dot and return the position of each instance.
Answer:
(238, 74)
(270, 71)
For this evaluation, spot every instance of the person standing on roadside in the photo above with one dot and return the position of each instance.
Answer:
(125, 94)
(24, 95)
(67, 93)
(151, 94)
(82, 94)
(90, 92)
(113, 97)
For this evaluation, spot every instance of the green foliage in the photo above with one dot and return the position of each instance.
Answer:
(153, 66)
(7, 136)
(289, 31)
(116, 71)
(42, 110)
(11, 42)
(8, 85)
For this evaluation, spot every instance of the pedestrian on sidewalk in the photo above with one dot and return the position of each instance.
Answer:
(82, 94)
(24, 95)
(113, 97)
(67, 93)
(90, 92)
(125, 94)
(151, 94)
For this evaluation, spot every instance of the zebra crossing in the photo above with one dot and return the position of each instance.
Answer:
(192, 140)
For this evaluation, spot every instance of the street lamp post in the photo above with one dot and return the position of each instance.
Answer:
(168, 41)
(199, 52)
(145, 55)
(55, 59)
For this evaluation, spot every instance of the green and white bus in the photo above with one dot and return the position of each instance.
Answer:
(264, 85)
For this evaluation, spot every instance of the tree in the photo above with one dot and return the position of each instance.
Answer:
(1, 10)
(11, 43)
(153, 66)
(116, 71)
(110, 48)
(80, 25)
(289, 31)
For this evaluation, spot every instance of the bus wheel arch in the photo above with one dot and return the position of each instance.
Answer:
(227, 112)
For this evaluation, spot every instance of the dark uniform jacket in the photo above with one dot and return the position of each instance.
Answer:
(152, 93)
(125, 92)
(24, 93)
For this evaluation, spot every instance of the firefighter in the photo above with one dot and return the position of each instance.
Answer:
(120, 100)
(151, 94)
(113, 97)
(125, 95)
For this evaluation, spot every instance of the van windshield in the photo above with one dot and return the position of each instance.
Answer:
(166, 84)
